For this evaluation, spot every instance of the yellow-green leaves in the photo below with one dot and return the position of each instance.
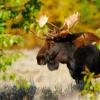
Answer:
(7, 40)
(92, 86)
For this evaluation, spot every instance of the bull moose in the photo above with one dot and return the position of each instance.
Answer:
(74, 49)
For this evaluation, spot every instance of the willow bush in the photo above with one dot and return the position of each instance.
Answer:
(92, 85)
(17, 17)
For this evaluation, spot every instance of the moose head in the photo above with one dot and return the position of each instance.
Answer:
(60, 45)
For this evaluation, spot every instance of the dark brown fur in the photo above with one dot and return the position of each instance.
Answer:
(73, 50)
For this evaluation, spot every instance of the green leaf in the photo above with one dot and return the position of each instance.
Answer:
(12, 76)
(85, 78)
(98, 45)
(4, 77)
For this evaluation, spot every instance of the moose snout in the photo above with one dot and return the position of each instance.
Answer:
(41, 59)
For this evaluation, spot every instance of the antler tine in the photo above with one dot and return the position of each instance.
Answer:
(54, 33)
(42, 38)
(47, 36)
(53, 25)
(50, 36)
(70, 21)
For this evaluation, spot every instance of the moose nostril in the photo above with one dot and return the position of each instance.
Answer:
(41, 60)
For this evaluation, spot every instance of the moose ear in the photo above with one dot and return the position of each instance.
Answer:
(85, 38)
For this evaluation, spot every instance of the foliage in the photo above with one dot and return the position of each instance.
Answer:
(7, 40)
(8, 59)
(92, 86)
(22, 83)
(21, 13)
(89, 10)
(17, 17)
(6, 76)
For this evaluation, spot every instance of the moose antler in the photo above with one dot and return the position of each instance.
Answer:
(70, 22)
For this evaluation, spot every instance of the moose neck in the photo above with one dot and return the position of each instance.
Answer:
(66, 52)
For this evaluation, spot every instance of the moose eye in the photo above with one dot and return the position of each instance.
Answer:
(52, 44)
